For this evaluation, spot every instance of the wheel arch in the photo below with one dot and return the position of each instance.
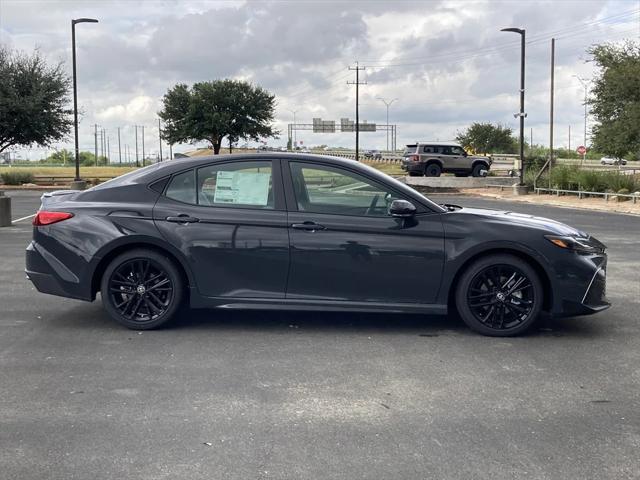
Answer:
(480, 161)
(430, 161)
(117, 249)
(530, 259)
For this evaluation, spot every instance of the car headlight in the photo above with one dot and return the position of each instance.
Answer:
(577, 244)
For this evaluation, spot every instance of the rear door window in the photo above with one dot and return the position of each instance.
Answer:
(236, 184)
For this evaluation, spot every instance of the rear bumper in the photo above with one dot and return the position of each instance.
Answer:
(50, 276)
(410, 166)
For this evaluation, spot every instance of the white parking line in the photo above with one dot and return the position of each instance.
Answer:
(23, 218)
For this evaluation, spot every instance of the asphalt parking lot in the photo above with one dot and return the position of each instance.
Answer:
(240, 395)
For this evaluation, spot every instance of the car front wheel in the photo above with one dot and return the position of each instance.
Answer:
(479, 170)
(499, 296)
(142, 289)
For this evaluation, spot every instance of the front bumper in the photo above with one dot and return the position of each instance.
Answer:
(588, 295)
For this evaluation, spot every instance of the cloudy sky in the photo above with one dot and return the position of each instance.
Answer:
(445, 61)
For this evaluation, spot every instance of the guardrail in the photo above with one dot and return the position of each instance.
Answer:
(67, 178)
(580, 193)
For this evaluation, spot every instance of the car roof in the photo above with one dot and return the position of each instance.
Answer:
(437, 144)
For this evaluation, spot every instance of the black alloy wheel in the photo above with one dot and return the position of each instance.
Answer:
(499, 296)
(141, 289)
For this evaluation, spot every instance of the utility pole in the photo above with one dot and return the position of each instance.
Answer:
(160, 141)
(569, 148)
(137, 162)
(170, 151)
(95, 134)
(357, 83)
(119, 148)
(103, 144)
(553, 59)
(108, 152)
(531, 138)
(143, 145)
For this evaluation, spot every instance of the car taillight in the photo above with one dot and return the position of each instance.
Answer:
(414, 158)
(47, 218)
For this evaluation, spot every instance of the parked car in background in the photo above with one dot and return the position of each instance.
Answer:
(301, 232)
(612, 161)
(434, 158)
(373, 154)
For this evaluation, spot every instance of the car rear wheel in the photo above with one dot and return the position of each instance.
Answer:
(499, 296)
(142, 289)
(432, 170)
(479, 170)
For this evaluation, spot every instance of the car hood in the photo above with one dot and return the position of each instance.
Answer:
(508, 217)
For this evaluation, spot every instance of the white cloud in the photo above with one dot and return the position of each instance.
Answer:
(445, 61)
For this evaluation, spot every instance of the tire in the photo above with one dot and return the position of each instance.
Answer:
(603, 163)
(505, 315)
(127, 284)
(477, 170)
(432, 170)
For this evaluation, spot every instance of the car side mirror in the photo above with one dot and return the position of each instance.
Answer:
(402, 208)
(465, 154)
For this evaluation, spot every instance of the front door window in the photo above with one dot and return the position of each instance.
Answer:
(329, 190)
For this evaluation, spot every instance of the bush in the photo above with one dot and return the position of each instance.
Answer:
(16, 178)
(571, 177)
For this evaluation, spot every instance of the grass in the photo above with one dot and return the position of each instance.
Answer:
(388, 168)
(85, 172)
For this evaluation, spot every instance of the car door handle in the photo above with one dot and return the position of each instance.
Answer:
(308, 226)
(183, 219)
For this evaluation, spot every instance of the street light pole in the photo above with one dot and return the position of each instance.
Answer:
(388, 104)
(585, 85)
(522, 115)
(295, 134)
(75, 89)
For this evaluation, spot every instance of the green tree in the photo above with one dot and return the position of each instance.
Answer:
(33, 100)
(615, 99)
(485, 138)
(87, 159)
(211, 111)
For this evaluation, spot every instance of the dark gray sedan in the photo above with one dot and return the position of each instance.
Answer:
(300, 232)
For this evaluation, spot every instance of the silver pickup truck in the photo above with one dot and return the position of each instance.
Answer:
(433, 158)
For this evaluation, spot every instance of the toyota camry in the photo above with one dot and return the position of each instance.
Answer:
(304, 232)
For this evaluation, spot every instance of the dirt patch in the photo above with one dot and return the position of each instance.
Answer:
(568, 201)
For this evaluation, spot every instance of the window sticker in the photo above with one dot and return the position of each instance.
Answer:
(242, 188)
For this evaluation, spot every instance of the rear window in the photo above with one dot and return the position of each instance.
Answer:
(409, 149)
(128, 178)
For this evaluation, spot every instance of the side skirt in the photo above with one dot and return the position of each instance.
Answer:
(198, 301)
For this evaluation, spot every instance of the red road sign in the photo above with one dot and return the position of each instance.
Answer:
(581, 149)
